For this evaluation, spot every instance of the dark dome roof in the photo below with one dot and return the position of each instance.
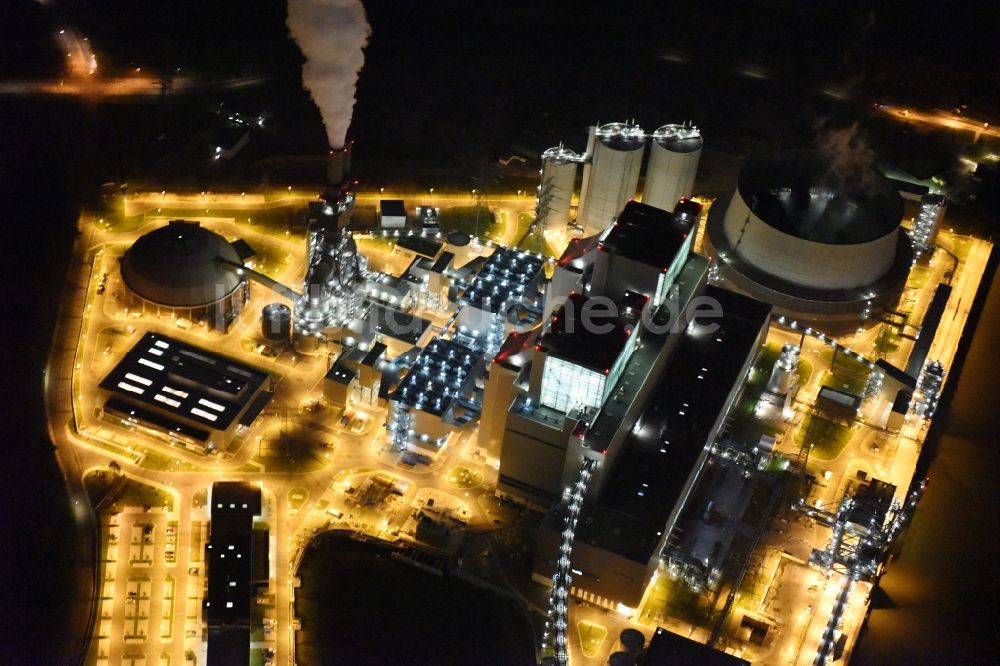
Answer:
(175, 265)
(801, 193)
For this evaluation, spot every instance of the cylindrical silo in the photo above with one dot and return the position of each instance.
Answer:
(556, 191)
(783, 374)
(276, 322)
(673, 165)
(614, 174)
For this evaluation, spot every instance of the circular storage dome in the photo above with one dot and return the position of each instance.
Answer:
(176, 266)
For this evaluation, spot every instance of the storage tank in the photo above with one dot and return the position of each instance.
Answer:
(783, 375)
(306, 343)
(673, 165)
(556, 191)
(614, 174)
(276, 322)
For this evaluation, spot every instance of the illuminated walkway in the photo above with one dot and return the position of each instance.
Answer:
(554, 639)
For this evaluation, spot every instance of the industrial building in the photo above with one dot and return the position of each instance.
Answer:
(356, 377)
(650, 472)
(502, 294)
(667, 648)
(183, 394)
(236, 562)
(333, 288)
(637, 401)
(391, 214)
(437, 396)
(183, 270)
(573, 368)
(812, 244)
(927, 222)
(377, 323)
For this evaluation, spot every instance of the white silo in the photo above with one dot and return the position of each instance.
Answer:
(673, 165)
(613, 176)
(556, 190)
(783, 375)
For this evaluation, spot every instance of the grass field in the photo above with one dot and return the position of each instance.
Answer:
(826, 438)
(846, 372)
(296, 498)
(962, 245)
(371, 244)
(537, 243)
(472, 220)
(669, 598)
(887, 340)
(463, 477)
(591, 637)
(113, 489)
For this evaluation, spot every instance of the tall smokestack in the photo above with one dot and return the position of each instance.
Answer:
(332, 35)
(335, 166)
(338, 164)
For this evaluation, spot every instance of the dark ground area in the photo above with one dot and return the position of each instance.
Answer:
(387, 612)
(447, 89)
(39, 203)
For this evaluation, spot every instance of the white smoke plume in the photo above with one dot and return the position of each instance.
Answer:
(850, 160)
(332, 35)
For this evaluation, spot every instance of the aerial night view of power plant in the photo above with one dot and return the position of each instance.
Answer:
(534, 332)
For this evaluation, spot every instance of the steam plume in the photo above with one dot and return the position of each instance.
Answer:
(331, 35)
(850, 160)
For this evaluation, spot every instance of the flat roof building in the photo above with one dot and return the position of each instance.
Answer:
(436, 392)
(392, 214)
(642, 252)
(230, 556)
(185, 394)
(508, 278)
(668, 649)
(652, 472)
(413, 245)
(928, 330)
